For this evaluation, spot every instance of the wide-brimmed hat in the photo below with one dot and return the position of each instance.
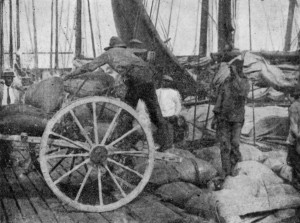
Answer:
(115, 42)
(167, 78)
(8, 73)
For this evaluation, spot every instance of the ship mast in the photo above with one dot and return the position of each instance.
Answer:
(225, 29)
(288, 34)
(78, 29)
(203, 29)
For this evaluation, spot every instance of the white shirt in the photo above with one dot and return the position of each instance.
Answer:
(11, 95)
(169, 101)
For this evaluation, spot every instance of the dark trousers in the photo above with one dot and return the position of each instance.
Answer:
(229, 136)
(146, 92)
(293, 159)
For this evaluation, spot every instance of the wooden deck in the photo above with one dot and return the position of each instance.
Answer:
(29, 199)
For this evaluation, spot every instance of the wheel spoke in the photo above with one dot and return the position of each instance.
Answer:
(67, 155)
(111, 127)
(125, 135)
(95, 123)
(115, 180)
(125, 182)
(124, 167)
(100, 187)
(83, 183)
(82, 130)
(70, 141)
(71, 171)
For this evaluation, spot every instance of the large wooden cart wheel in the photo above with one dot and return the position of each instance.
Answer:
(97, 154)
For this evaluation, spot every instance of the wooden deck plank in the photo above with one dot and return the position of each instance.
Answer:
(122, 214)
(27, 210)
(50, 200)
(2, 213)
(38, 203)
(10, 205)
(88, 217)
(56, 204)
(76, 215)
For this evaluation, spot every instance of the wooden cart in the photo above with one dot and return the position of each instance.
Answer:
(86, 163)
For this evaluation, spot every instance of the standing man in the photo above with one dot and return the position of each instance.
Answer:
(170, 103)
(293, 140)
(138, 78)
(229, 114)
(8, 93)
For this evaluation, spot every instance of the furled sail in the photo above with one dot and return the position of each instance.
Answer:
(133, 22)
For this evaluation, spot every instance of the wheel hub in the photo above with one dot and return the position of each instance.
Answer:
(99, 155)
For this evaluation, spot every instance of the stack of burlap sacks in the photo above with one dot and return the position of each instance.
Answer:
(44, 98)
(259, 191)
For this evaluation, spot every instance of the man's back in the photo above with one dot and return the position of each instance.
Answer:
(169, 101)
(120, 57)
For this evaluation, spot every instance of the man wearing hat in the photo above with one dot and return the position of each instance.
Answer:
(170, 103)
(229, 113)
(293, 139)
(8, 93)
(138, 79)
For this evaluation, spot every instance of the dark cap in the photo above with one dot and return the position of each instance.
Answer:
(115, 42)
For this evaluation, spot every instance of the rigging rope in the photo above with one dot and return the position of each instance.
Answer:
(72, 34)
(28, 24)
(177, 23)
(170, 17)
(269, 30)
(96, 8)
(151, 8)
(66, 56)
(282, 23)
(158, 7)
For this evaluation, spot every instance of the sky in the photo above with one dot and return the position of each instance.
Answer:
(178, 20)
